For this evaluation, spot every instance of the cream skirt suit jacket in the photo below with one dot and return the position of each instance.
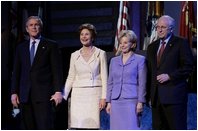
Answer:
(88, 81)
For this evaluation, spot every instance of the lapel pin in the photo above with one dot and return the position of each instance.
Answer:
(43, 47)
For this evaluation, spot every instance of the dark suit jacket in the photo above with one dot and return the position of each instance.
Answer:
(177, 62)
(43, 78)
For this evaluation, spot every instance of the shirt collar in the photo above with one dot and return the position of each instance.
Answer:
(37, 40)
(166, 40)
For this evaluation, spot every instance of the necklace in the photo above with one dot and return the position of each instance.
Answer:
(87, 52)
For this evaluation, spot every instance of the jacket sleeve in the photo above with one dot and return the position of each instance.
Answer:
(142, 74)
(16, 73)
(56, 63)
(103, 69)
(70, 78)
(186, 63)
(110, 84)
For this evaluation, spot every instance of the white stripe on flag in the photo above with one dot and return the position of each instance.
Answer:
(122, 22)
(118, 26)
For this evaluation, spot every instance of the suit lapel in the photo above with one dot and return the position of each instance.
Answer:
(155, 49)
(41, 48)
(120, 60)
(167, 49)
(94, 55)
(27, 52)
(130, 59)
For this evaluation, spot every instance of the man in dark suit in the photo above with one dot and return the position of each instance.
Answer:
(37, 78)
(170, 62)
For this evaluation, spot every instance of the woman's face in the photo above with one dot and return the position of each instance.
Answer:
(125, 45)
(86, 37)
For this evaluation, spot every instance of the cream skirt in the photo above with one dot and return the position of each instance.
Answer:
(85, 111)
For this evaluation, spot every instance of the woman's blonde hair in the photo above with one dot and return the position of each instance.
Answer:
(131, 36)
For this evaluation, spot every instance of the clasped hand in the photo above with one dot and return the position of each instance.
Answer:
(57, 97)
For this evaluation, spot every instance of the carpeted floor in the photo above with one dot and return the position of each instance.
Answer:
(147, 118)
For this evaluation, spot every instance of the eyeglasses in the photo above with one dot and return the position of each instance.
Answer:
(161, 27)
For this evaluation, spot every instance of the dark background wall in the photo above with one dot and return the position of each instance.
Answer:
(62, 18)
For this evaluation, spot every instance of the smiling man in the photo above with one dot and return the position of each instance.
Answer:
(37, 78)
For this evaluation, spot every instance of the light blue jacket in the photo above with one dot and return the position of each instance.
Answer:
(129, 80)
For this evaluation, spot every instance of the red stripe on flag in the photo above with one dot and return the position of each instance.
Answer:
(123, 22)
(187, 21)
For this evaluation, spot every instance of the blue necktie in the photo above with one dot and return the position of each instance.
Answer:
(32, 49)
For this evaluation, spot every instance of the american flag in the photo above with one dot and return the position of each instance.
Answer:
(123, 23)
(154, 11)
(187, 21)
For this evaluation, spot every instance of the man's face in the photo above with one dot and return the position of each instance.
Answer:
(33, 28)
(163, 28)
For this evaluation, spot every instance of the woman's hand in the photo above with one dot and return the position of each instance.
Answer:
(139, 108)
(108, 108)
(102, 104)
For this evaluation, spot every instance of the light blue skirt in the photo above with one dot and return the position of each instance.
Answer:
(123, 115)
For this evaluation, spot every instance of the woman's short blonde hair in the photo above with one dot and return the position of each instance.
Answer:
(130, 35)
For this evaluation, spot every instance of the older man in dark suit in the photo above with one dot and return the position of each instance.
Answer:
(37, 78)
(170, 62)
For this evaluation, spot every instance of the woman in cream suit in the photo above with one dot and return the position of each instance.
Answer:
(126, 85)
(88, 80)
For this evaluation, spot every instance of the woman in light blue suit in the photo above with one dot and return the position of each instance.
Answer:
(126, 85)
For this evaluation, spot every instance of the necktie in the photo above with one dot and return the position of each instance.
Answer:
(32, 49)
(159, 55)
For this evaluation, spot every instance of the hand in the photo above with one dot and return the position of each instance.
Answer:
(57, 97)
(163, 78)
(15, 100)
(108, 108)
(139, 108)
(102, 104)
